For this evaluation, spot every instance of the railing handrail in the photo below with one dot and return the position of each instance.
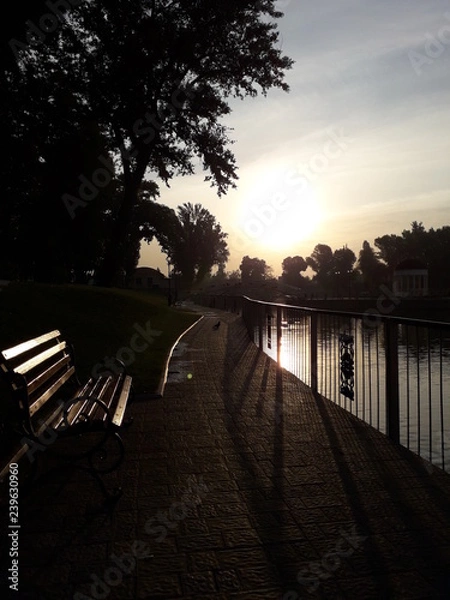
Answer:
(341, 313)
(336, 371)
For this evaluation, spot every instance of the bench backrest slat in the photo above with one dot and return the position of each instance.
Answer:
(43, 377)
(34, 362)
(36, 405)
(24, 347)
(36, 369)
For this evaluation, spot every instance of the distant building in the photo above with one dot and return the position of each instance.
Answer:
(410, 278)
(146, 278)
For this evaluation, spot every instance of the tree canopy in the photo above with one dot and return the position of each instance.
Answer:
(153, 78)
(191, 238)
(321, 261)
(292, 267)
(253, 269)
(373, 271)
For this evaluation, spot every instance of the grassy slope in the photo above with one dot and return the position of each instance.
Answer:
(98, 321)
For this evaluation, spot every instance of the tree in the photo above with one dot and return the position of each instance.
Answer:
(438, 259)
(411, 244)
(253, 269)
(321, 261)
(156, 76)
(41, 166)
(432, 247)
(292, 269)
(391, 249)
(234, 277)
(146, 213)
(343, 262)
(373, 271)
(192, 239)
(416, 241)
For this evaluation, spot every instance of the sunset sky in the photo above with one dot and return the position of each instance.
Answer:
(357, 149)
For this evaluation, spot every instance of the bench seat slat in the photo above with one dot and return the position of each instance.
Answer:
(15, 351)
(95, 411)
(108, 398)
(95, 388)
(77, 407)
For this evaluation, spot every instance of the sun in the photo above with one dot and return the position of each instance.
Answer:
(281, 211)
(296, 222)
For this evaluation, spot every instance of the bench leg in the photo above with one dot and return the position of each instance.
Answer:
(111, 497)
(109, 455)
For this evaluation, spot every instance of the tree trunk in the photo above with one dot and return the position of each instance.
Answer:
(113, 264)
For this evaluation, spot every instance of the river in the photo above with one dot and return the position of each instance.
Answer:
(423, 374)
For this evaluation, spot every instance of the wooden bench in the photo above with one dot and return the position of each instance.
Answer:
(57, 415)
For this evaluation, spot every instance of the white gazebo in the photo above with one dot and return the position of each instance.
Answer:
(411, 278)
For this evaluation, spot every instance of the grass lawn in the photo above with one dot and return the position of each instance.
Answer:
(100, 323)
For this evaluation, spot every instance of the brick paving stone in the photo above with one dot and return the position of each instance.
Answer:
(237, 483)
(199, 584)
(155, 587)
(202, 561)
(228, 580)
(235, 538)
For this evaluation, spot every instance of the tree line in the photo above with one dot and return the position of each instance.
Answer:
(342, 272)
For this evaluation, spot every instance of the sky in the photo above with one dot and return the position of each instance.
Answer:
(357, 149)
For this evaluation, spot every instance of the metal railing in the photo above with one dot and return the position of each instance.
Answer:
(391, 372)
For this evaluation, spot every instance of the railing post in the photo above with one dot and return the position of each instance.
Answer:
(247, 318)
(279, 315)
(260, 314)
(313, 351)
(392, 395)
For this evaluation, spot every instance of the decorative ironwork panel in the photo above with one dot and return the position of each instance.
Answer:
(347, 354)
(269, 331)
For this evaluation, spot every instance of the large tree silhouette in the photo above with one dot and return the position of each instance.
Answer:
(292, 267)
(321, 262)
(253, 269)
(191, 238)
(373, 271)
(156, 76)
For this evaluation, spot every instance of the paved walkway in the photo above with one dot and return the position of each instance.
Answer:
(239, 483)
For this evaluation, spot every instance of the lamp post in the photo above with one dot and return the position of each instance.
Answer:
(169, 297)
